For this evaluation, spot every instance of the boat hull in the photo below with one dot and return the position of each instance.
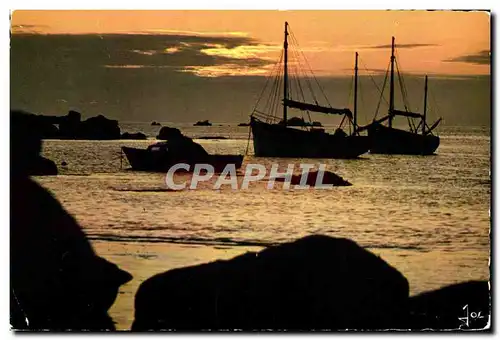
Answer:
(161, 161)
(386, 140)
(274, 140)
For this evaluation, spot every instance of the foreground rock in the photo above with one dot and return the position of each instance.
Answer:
(42, 126)
(57, 282)
(317, 282)
(26, 146)
(43, 167)
(459, 306)
(312, 177)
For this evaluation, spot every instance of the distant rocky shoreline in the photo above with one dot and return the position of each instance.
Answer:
(72, 127)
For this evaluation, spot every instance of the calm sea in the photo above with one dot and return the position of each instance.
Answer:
(427, 216)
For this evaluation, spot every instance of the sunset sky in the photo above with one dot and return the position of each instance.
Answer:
(433, 42)
(189, 65)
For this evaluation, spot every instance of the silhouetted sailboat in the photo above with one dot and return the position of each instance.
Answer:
(273, 138)
(389, 140)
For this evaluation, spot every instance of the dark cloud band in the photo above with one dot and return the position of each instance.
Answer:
(481, 58)
(181, 52)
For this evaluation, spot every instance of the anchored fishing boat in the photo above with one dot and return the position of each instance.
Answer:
(390, 140)
(273, 137)
(156, 158)
(161, 156)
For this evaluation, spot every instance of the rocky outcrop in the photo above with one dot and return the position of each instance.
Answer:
(180, 147)
(71, 126)
(99, 128)
(317, 282)
(244, 124)
(155, 123)
(167, 133)
(203, 123)
(134, 136)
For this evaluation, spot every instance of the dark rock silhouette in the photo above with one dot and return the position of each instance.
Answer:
(155, 123)
(135, 136)
(44, 167)
(71, 126)
(185, 149)
(296, 121)
(48, 131)
(167, 133)
(100, 128)
(316, 282)
(442, 308)
(328, 178)
(26, 145)
(202, 123)
(43, 126)
(244, 124)
(57, 282)
(180, 147)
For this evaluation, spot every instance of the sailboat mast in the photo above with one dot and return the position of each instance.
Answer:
(285, 76)
(391, 100)
(355, 120)
(425, 107)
